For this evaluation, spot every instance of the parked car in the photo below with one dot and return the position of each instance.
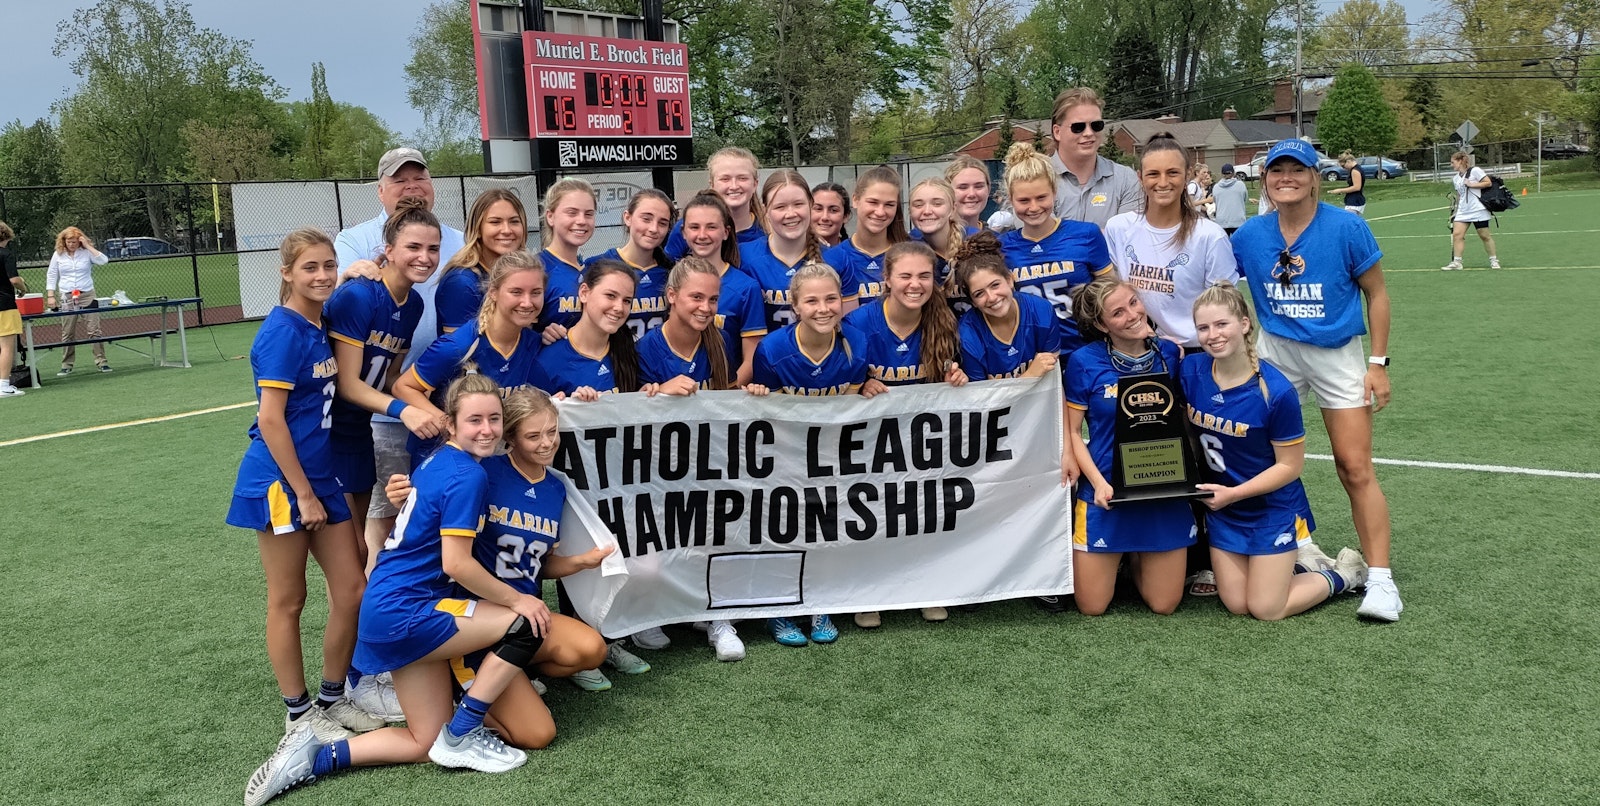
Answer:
(138, 247)
(1380, 168)
(1561, 150)
(1330, 168)
(1254, 168)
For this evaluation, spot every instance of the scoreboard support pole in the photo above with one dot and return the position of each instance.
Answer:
(655, 30)
(543, 177)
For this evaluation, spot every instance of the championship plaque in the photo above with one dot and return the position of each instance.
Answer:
(1152, 457)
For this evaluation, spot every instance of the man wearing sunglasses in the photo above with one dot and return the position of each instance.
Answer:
(1090, 187)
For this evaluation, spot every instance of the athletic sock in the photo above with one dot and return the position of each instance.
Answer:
(469, 717)
(298, 706)
(330, 693)
(1336, 583)
(1376, 574)
(331, 758)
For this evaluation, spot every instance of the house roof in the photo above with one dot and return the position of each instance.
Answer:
(1039, 128)
(1189, 133)
(1258, 131)
(1310, 102)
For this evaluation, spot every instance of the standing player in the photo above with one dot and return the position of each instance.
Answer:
(935, 223)
(818, 355)
(1310, 265)
(498, 343)
(734, 173)
(830, 211)
(1470, 182)
(287, 491)
(497, 225)
(741, 316)
(969, 180)
(773, 261)
(415, 621)
(1355, 200)
(1157, 532)
(880, 224)
(1089, 187)
(1253, 442)
(1049, 256)
(909, 337)
(10, 319)
(569, 210)
(370, 324)
(648, 219)
(687, 352)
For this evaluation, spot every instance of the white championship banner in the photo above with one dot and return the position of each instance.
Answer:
(725, 506)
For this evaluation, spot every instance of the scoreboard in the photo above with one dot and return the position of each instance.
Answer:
(595, 102)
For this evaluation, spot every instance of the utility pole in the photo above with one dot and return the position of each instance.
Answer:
(1299, 20)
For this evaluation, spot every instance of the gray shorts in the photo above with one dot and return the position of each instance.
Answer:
(389, 449)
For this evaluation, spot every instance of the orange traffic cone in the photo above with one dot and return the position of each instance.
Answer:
(1524, 191)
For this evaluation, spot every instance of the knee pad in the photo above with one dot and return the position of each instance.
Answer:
(519, 644)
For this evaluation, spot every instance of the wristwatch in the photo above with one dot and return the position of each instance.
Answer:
(1380, 360)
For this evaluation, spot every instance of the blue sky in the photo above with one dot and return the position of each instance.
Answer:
(364, 44)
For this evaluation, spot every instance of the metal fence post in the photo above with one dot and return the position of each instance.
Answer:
(194, 259)
(338, 205)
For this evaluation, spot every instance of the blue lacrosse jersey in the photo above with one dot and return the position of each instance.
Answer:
(566, 370)
(448, 493)
(782, 367)
(740, 313)
(1070, 256)
(676, 246)
(561, 280)
(649, 296)
(512, 366)
(524, 523)
(986, 355)
(659, 363)
(365, 313)
(1238, 429)
(292, 353)
(861, 273)
(890, 359)
(459, 297)
(1322, 303)
(772, 275)
(1091, 387)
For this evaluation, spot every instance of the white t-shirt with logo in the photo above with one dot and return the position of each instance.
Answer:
(1469, 202)
(1170, 275)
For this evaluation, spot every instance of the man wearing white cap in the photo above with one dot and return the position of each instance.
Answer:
(402, 172)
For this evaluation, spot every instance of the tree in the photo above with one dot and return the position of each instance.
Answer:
(30, 156)
(322, 118)
(1134, 78)
(1355, 116)
(981, 31)
(1362, 32)
(442, 78)
(231, 152)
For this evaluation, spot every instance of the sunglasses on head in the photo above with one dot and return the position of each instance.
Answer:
(1096, 125)
(1285, 262)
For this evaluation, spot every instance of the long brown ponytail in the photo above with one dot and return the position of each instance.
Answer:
(710, 338)
(940, 341)
(624, 355)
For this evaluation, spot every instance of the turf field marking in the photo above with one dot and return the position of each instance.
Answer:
(76, 431)
(1413, 212)
(1521, 471)
(1502, 232)
(1485, 268)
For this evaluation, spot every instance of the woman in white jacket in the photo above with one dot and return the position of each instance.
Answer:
(70, 272)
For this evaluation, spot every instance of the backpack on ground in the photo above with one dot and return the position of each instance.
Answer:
(1495, 197)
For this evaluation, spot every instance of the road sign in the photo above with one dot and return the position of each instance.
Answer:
(1467, 131)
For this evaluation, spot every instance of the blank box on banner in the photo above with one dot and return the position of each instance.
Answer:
(750, 579)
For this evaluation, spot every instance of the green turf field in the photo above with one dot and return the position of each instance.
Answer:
(170, 276)
(137, 673)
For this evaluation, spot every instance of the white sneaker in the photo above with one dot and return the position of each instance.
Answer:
(1352, 567)
(1454, 265)
(651, 638)
(724, 639)
(478, 750)
(326, 729)
(1312, 558)
(376, 698)
(1382, 601)
(590, 680)
(1494, 263)
(624, 661)
(288, 767)
(539, 687)
(347, 714)
(7, 390)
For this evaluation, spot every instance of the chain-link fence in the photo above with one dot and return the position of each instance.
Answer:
(218, 241)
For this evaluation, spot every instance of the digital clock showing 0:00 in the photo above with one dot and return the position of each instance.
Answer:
(615, 103)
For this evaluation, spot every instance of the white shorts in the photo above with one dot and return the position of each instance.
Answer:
(1337, 375)
(1357, 209)
(389, 449)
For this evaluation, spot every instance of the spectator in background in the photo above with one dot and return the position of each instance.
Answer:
(1470, 182)
(71, 271)
(10, 320)
(1354, 200)
(1089, 187)
(1232, 200)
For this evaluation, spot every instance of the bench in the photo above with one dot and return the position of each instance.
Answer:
(160, 331)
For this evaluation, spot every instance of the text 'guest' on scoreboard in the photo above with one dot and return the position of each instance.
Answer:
(596, 102)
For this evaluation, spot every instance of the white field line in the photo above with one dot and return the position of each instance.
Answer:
(1521, 471)
(146, 421)
(1413, 212)
(1498, 233)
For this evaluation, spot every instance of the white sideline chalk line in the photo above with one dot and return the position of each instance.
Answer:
(1521, 471)
(146, 421)
(1413, 212)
